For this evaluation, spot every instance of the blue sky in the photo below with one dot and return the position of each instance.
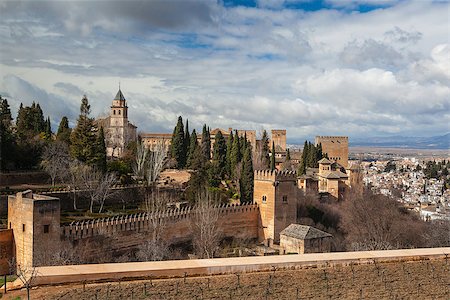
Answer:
(332, 67)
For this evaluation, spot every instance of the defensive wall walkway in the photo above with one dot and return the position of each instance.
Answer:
(216, 266)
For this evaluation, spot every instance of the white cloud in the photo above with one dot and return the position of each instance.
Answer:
(324, 72)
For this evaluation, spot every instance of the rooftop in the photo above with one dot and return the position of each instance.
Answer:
(304, 232)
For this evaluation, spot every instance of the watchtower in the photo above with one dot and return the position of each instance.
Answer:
(275, 192)
(279, 139)
(336, 147)
(35, 221)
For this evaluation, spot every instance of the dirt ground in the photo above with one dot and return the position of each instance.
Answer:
(402, 280)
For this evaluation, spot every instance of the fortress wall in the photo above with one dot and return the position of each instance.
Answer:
(219, 266)
(122, 233)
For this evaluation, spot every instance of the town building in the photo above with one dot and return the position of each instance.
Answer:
(302, 239)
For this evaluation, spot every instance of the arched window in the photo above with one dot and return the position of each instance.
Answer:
(119, 112)
(114, 112)
(264, 199)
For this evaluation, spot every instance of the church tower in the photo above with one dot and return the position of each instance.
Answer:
(119, 133)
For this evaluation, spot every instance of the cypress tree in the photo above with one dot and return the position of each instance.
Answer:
(83, 138)
(228, 156)
(187, 140)
(311, 160)
(100, 152)
(63, 133)
(235, 158)
(288, 155)
(272, 158)
(265, 148)
(178, 145)
(206, 144)
(48, 130)
(7, 143)
(220, 153)
(302, 165)
(319, 153)
(246, 182)
(193, 145)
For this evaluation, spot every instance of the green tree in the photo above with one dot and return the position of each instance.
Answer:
(47, 134)
(100, 152)
(63, 133)
(246, 182)
(265, 147)
(187, 140)
(235, 158)
(83, 138)
(272, 157)
(178, 146)
(288, 155)
(193, 145)
(302, 164)
(311, 159)
(206, 144)
(228, 156)
(220, 154)
(7, 143)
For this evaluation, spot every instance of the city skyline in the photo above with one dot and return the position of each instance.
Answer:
(356, 68)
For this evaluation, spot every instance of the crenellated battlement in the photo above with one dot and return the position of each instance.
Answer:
(142, 221)
(275, 175)
(329, 137)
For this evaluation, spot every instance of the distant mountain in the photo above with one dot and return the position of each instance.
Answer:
(433, 142)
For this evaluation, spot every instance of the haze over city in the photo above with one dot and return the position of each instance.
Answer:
(355, 68)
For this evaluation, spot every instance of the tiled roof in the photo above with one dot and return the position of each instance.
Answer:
(325, 161)
(304, 232)
(119, 96)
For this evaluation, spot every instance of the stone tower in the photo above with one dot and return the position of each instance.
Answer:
(118, 134)
(275, 192)
(279, 139)
(336, 147)
(35, 221)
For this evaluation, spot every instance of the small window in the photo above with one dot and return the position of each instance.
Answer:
(119, 112)
(264, 199)
(9, 225)
(114, 112)
(46, 228)
(23, 227)
(285, 199)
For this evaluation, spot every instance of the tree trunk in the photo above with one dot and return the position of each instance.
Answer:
(74, 200)
(101, 206)
(91, 206)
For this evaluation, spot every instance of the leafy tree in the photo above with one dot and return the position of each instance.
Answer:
(83, 138)
(100, 152)
(47, 134)
(272, 157)
(193, 145)
(235, 158)
(63, 133)
(187, 140)
(265, 147)
(302, 164)
(206, 144)
(220, 154)
(228, 156)
(178, 145)
(7, 143)
(246, 182)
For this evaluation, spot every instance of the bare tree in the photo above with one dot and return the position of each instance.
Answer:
(205, 223)
(74, 179)
(155, 248)
(55, 160)
(98, 186)
(26, 273)
(140, 161)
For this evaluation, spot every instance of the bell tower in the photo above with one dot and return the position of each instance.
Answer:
(119, 110)
(118, 127)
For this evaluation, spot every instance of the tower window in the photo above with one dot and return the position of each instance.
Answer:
(46, 228)
(119, 112)
(264, 199)
(285, 199)
(114, 112)
(23, 227)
